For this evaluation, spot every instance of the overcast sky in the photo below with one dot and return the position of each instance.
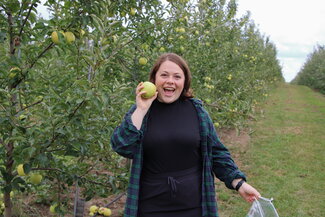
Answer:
(294, 26)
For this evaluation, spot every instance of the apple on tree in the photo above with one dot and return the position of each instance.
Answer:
(56, 36)
(143, 61)
(162, 49)
(132, 11)
(35, 178)
(13, 72)
(20, 170)
(69, 37)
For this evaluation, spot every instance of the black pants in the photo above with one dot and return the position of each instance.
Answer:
(176, 194)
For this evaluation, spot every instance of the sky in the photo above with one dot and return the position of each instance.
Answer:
(294, 26)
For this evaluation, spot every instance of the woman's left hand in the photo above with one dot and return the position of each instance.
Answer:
(248, 192)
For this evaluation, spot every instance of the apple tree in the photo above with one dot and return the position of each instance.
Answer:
(62, 93)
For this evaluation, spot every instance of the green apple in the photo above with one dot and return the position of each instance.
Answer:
(22, 117)
(69, 37)
(12, 75)
(93, 209)
(150, 89)
(20, 170)
(39, 98)
(107, 212)
(182, 48)
(35, 178)
(55, 36)
(82, 32)
(143, 61)
(182, 30)
(145, 46)
(101, 210)
(53, 208)
(13, 72)
(132, 12)
(114, 37)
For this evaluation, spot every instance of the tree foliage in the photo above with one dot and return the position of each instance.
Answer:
(312, 74)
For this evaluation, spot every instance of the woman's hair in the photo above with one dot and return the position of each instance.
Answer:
(187, 91)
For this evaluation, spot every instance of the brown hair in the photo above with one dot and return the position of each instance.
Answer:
(187, 91)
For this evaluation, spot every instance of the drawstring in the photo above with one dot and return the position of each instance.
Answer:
(172, 183)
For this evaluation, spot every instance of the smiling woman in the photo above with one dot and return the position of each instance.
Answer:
(175, 149)
(170, 82)
(172, 77)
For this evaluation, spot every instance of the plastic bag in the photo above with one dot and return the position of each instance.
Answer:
(262, 207)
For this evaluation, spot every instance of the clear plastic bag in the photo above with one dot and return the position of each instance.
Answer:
(262, 207)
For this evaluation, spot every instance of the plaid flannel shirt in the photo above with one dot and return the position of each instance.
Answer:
(127, 141)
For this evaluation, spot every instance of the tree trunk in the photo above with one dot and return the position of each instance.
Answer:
(8, 204)
(9, 164)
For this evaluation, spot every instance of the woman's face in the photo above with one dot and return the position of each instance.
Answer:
(170, 81)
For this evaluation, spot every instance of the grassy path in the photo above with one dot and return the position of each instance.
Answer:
(285, 158)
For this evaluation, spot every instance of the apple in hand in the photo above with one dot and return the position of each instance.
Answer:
(150, 89)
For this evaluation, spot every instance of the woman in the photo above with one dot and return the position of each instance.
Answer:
(175, 149)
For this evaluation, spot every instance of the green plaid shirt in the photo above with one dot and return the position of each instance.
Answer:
(127, 141)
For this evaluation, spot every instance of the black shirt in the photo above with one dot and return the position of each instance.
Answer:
(172, 139)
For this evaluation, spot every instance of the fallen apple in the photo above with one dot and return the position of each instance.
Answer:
(53, 208)
(93, 208)
(107, 212)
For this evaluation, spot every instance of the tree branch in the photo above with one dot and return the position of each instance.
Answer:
(70, 118)
(11, 36)
(26, 18)
(35, 103)
(4, 8)
(115, 51)
(32, 64)
(58, 170)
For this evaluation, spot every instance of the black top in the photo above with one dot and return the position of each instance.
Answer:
(172, 139)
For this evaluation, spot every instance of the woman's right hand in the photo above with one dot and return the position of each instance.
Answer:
(143, 103)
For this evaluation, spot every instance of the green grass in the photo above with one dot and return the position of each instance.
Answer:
(285, 159)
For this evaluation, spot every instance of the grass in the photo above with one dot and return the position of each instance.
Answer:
(285, 159)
